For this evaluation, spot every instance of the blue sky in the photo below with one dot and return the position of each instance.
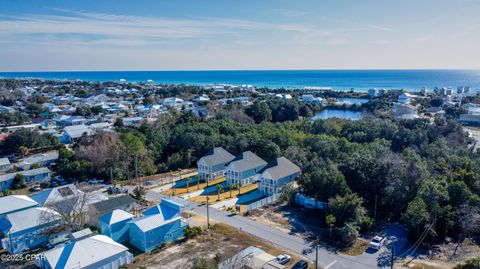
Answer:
(248, 34)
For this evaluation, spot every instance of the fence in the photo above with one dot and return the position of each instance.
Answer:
(259, 203)
(308, 202)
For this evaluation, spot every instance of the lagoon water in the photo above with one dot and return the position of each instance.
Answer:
(338, 113)
(358, 80)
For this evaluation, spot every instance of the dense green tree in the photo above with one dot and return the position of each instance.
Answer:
(259, 111)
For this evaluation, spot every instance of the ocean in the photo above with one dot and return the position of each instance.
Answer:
(342, 80)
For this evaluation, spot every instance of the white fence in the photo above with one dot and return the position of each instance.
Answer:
(308, 202)
(267, 200)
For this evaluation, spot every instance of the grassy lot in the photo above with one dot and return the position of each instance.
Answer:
(219, 242)
(213, 198)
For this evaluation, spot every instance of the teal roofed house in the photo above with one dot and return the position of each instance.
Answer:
(160, 224)
(213, 164)
(115, 225)
(244, 169)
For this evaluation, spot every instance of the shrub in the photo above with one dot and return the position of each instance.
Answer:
(191, 232)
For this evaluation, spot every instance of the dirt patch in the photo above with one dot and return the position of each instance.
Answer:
(357, 249)
(300, 221)
(216, 243)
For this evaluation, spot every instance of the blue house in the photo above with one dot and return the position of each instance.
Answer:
(244, 169)
(115, 225)
(31, 176)
(212, 165)
(276, 175)
(160, 224)
(26, 230)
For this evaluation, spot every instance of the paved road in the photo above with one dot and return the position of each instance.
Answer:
(326, 258)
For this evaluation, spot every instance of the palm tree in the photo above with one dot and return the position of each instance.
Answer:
(219, 189)
(231, 187)
(23, 150)
(239, 186)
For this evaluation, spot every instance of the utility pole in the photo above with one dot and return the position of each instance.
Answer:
(316, 254)
(208, 216)
(375, 211)
(111, 176)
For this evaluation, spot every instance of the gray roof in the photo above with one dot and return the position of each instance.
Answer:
(77, 131)
(4, 161)
(33, 172)
(15, 202)
(280, 168)
(217, 156)
(247, 160)
(42, 157)
(114, 203)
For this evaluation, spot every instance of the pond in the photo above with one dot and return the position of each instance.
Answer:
(338, 113)
(351, 101)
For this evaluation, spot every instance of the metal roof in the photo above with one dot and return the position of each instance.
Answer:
(29, 218)
(15, 202)
(115, 216)
(83, 253)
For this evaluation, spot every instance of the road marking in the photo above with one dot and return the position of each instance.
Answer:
(330, 264)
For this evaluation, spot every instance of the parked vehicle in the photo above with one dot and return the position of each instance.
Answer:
(35, 188)
(95, 181)
(283, 258)
(53, 184)
(114, 190)
(377, 242)
(301, 264)
(148, 183)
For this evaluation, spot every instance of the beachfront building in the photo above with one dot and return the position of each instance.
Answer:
(244, 169)
(27, 229)
(31, 176)
(97, 251)
(212, 165)
(276, 175)
(115, 225)
(160, 224)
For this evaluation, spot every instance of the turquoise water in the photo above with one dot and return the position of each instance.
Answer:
(338, 113)
(359, 80)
